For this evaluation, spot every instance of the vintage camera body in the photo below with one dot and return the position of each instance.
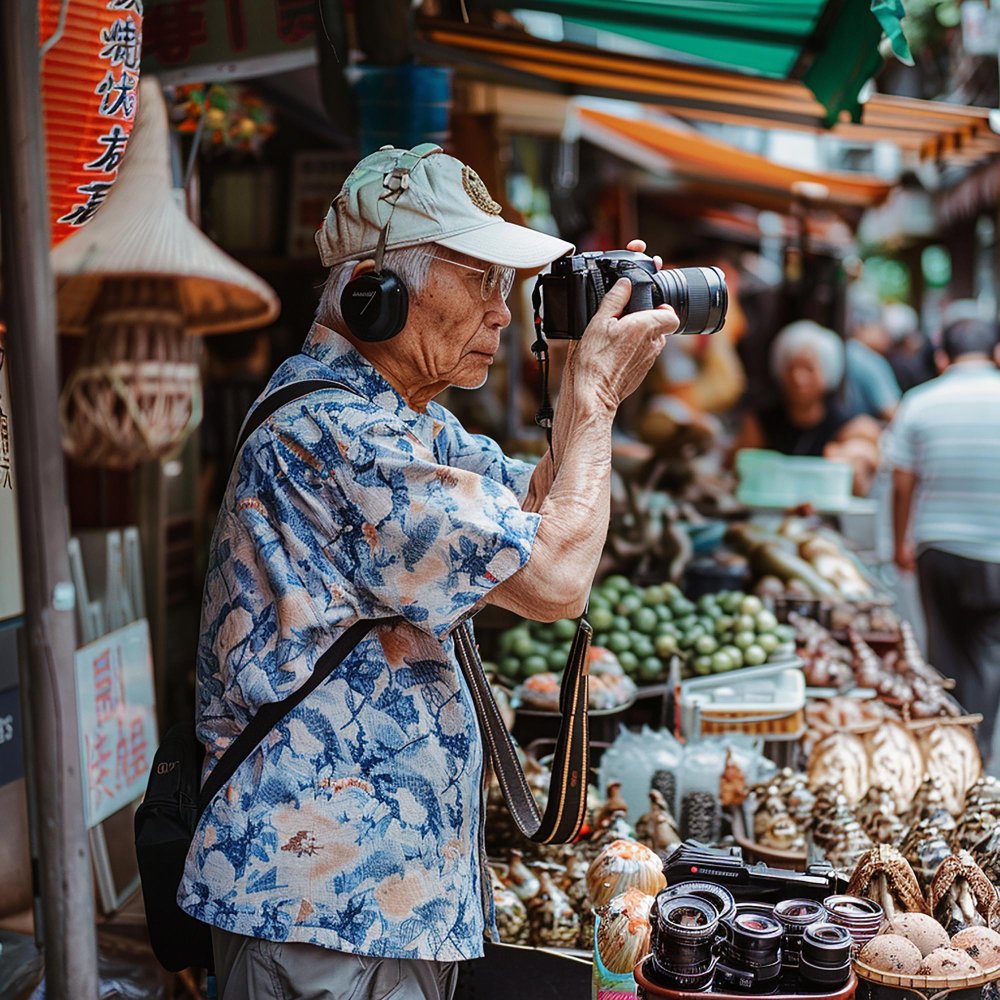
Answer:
(572, 291)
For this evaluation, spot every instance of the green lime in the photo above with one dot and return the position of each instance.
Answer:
(618, 642)
(685, 622)
(706, 644)
(650, 669)
(768, 642)
(557, 659)
(629, 661)
(751, 605)
(628, 604)
(731, 603)
(601, 618)
(735, 654)
(617, 582)
(620, 623)
(510, 666)
(522, 645)
(564, 629)
(786, 633)
(664, 613)
(644, 620)
(681, 606)
(642, 645)
(745, 623)
(535, 664)
(721, 662)
(703, 665)
(666, 645)
(600, 640)
(723, 623)
(744, 640)
(653, 597)
(671, 592)
(598, 600)
(754, 655)
(766, 622)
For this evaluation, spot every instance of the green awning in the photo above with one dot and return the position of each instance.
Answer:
(830, 45)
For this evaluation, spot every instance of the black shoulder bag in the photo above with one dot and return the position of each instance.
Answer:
(166, 820)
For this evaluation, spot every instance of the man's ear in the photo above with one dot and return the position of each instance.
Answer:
(362, 267)
(941, 360)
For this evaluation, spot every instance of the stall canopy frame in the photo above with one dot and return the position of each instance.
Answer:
(832, 46)
(930, 130)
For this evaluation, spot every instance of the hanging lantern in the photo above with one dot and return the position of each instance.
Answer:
(90, 81)
(140, 282)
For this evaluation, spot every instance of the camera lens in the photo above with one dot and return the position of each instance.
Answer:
(751, 954)
(698, 295)
(685, 931)
(795, 915)
(825, 959)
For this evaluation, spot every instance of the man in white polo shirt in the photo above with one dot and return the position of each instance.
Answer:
(944, 447)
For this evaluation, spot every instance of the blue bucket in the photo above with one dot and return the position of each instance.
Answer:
(402, 105)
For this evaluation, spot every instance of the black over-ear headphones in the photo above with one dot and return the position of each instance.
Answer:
(375, 304)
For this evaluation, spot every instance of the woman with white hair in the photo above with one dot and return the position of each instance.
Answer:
(807, 363)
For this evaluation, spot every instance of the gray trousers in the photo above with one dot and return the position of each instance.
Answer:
(251, 969)
(961, 601)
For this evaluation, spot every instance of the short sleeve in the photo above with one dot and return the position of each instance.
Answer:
(422, 539)
(884, 387)
(899, 440)
(480, 454)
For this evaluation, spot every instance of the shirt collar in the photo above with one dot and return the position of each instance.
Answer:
(336, 352)
(971, 367)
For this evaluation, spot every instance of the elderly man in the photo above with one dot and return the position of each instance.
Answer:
(344, 857)
(944, 447)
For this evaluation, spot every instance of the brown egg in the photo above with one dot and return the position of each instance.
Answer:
(948, 963)
(892, 953)
(981, 944)
(924, 931)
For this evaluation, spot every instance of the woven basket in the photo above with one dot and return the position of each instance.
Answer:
(135, 394)
(928, 986)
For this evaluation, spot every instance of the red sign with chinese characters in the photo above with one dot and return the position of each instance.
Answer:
(90, 78)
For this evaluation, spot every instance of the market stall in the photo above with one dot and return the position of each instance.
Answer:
(804, 813)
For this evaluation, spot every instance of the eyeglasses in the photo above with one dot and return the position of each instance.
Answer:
(495, 276)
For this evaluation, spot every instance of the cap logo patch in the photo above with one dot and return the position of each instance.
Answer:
(478, 193)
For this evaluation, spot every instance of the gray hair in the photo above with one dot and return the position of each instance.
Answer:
(411, 265)
(806, 336)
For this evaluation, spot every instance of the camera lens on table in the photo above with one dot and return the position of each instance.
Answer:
(862, 917)
(751, 954)
(682, 953)
(795, 916)
(825, 958)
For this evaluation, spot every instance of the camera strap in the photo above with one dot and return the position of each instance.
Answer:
(566, 807)
(540, 348)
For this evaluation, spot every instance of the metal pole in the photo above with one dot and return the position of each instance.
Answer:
(47, 677)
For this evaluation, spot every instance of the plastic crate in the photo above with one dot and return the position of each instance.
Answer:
(770, 479)
(770, 703)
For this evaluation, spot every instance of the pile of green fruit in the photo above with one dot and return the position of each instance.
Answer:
(645, 627)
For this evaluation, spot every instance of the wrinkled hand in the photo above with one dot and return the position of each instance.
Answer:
(617, 351)
(639, 246)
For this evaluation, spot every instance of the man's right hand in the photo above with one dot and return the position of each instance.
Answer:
(617, 351)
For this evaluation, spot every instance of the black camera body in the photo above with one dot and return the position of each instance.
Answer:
(573, 289)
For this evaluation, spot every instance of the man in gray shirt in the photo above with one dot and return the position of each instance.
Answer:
(944, 448)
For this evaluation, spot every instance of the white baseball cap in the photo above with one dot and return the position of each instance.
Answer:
(422, 195)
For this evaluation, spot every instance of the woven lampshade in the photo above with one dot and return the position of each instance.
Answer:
(141, 230)
(138, 281)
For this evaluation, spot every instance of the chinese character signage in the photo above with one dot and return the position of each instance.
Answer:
(116, 709)
(11, 599)
(186, 41)
(90, 75)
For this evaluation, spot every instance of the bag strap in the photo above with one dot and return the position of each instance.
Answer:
(567, 802)
(268, 716)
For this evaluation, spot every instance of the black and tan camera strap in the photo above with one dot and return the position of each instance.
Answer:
(567, 801)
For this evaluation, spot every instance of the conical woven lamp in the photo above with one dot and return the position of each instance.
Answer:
(140, 280)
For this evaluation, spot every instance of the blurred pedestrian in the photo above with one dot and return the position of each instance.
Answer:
(807, 363)
(910, 353)
(944, 448)
(870, 385)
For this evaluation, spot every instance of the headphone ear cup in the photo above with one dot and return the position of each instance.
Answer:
(374, 306)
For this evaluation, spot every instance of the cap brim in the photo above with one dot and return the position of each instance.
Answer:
(508, 244)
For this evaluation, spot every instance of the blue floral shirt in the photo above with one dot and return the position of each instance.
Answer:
(356, 824)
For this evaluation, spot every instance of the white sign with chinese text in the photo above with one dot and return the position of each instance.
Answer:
(11, 597)
(116, 709)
